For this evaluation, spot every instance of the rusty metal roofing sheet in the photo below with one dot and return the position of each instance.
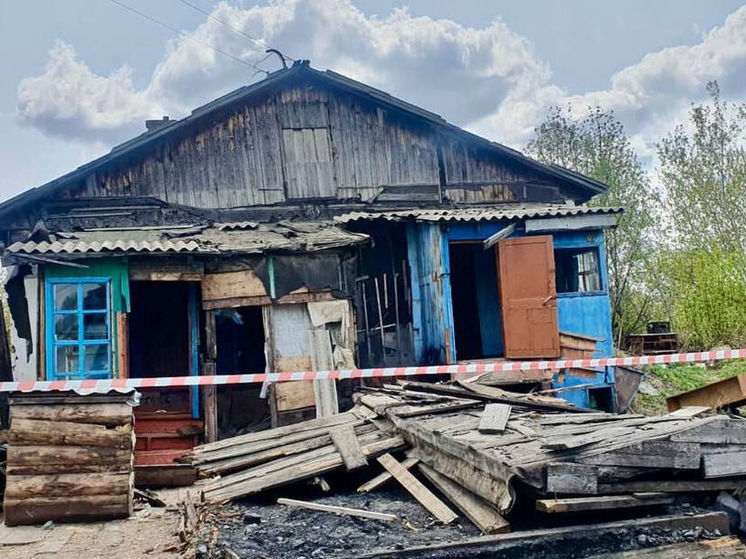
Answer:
(502, 212)
(277, 237)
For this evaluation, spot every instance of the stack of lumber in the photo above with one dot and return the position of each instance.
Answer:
(69, 457)
(573, 461)
(259, 461)
(475, 450)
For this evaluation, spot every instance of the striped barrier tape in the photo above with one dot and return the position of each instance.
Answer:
(104, 385)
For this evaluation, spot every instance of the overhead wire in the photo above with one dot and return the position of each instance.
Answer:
(260, 42)
(183, 33)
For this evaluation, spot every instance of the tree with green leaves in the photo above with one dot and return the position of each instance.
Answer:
(703, 178)
(596, 145)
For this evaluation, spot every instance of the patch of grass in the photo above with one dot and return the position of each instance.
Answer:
(687, 377)
(669, 380)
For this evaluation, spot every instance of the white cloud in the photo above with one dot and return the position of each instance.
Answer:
(487, 79)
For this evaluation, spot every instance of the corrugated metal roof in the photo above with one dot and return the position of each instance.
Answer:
(502, 212)
(219, 239)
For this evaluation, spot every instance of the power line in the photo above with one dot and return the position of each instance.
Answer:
(259, 42)
(181, 33)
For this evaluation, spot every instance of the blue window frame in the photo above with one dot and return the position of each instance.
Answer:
(78, 314)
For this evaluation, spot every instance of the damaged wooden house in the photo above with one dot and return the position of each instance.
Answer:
(303, 222)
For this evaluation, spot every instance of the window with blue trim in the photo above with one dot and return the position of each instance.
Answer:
(79, 328)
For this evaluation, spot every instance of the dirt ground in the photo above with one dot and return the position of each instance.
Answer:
(144, 535)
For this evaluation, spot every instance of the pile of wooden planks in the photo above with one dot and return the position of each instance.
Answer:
(69, 457)
(475, 450)
(259, 461)
(573, 461)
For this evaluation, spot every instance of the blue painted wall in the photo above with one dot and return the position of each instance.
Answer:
(431, 314)
(428, 249)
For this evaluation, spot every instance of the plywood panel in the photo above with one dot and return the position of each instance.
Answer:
(230, 285)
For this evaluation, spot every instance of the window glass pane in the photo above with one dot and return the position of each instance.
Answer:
(66, 359)
(65, 296)
(94, 296)
(577, 271)
(95, 326)
(97, 357)
(66, 327)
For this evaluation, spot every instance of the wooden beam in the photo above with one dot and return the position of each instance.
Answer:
(724, 465)
(424, 496)
(503, 233)
(210, 403)
(662, 486)
(384, 477)
(481, 513)
(718, 394)
(361, 513)
(572, 478)
(607, 502)
(346, 443)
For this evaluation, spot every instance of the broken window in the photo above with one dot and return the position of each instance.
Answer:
(79, 331)
(577, 270)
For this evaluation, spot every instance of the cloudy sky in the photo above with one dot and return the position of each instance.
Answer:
(82, 75)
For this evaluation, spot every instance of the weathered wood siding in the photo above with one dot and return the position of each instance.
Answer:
(308, 142)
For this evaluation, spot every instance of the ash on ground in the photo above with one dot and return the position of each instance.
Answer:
(255, 530)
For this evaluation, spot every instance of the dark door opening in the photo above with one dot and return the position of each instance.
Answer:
(161, 330)
(240, 349)
(475, 300)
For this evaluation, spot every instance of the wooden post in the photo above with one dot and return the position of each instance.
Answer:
(380, 321)
(209, 393)
(210, 399)
(123, 345)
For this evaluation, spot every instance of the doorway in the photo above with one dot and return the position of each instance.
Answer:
(477, 318)
(240, 349)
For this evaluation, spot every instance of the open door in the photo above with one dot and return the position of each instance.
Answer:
(528, 297)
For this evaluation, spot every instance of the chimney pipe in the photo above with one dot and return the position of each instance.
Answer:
(153, 125)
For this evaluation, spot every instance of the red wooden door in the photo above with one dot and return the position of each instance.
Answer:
(528, 297)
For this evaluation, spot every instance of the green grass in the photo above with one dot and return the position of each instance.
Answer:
(670, 380)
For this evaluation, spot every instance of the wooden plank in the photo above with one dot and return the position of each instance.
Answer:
(651, 454)
(229, 285)
(384, 477)
(610, 502)
(294, 395)
(210, 403)
(295, 468)
(724, 465)
(716, 395)
(572, 478)
(37, 510)
(494, 418)
(424, 496)
(690, 411)
(361, 513)
(558, 543)
(122, 343)
(720, 430)
(346, 443)
(481, 513)
(664, 486)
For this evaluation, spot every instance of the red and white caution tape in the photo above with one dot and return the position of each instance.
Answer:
(92, 385)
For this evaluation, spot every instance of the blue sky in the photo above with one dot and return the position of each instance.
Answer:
(82, 75)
